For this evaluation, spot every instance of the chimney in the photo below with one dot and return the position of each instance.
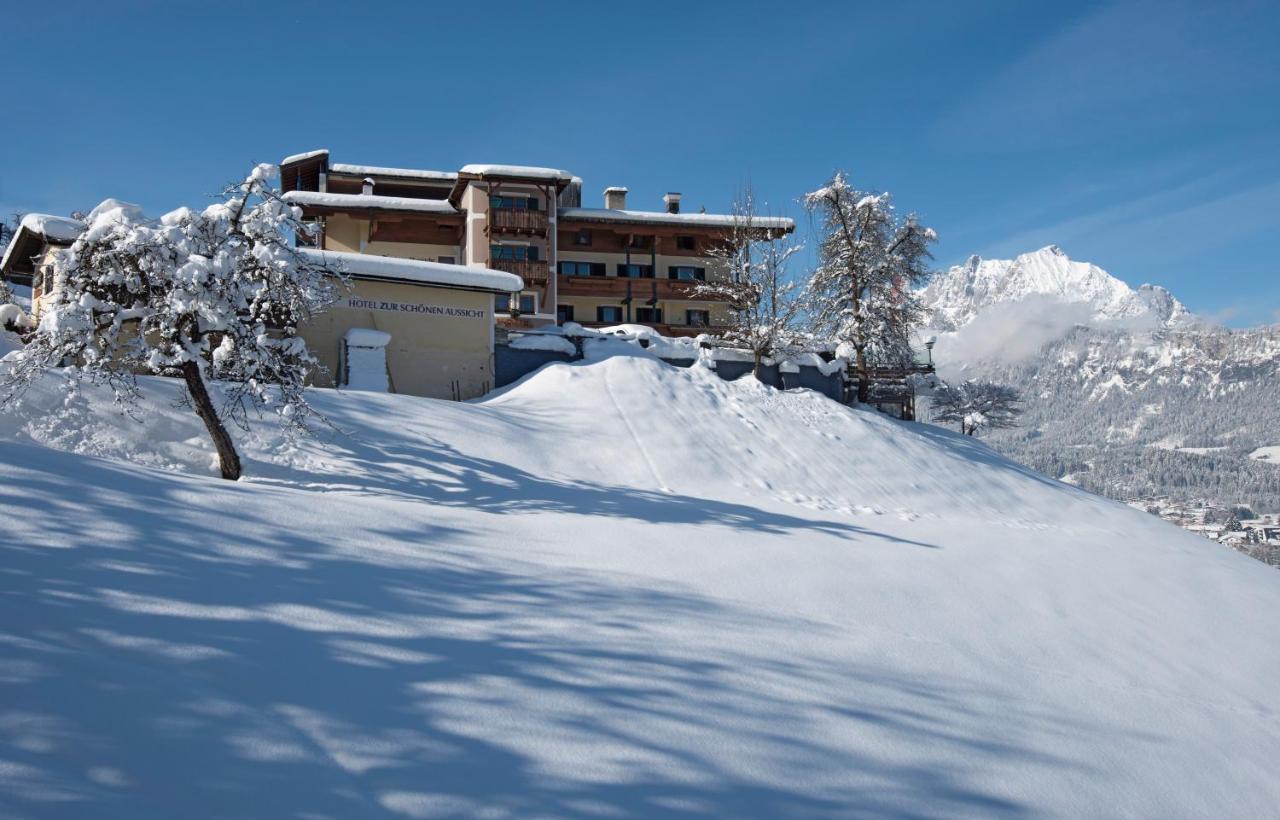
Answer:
(615, 199)
(672, 198)
(367, 188)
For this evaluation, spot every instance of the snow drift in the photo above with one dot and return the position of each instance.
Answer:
(617, 588)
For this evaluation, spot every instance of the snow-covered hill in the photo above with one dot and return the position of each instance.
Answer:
(618, 589)
(1126, 392)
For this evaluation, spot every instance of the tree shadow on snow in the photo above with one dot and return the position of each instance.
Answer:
(152, 670)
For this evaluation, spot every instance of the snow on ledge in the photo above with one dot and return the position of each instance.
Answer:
(319, 152)
(543, 341)
(525, 171)
(406, 173)
(365, 337)
(779, 223)
(414, 270)
(385, 203)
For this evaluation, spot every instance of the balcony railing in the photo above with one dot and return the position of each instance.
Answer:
(512, 220)
(615, 287)
(532, 271)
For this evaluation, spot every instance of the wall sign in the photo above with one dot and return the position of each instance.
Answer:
(357, 303)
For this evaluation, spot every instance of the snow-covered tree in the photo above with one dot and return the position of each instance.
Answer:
(976, 405)
(203, 295)
(764, 301)
(870, 260)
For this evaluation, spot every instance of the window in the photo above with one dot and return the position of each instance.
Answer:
(448, 260)
(312, 235)
(686, 243)
(582, 238)
(608, 313)
(648, 314)
(514, 253)
(697, 318)
(636, 271)
(564, 313)
(582, 269)
(502, 302)
(528, 303)
(514, 203)
(641, 243)
(687, 273)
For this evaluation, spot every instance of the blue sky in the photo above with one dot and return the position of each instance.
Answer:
(1140, 136)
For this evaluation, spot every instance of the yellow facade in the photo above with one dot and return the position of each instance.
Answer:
(441, 338)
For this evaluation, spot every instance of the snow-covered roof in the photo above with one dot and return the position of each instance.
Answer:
(413, 270)
(56, 229)
(319, 152)
(385, 203)
(780, 223)
(406, 173)
(524, 171)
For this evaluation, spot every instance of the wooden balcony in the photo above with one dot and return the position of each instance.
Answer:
(513, 221)
(615, 287)
(533, 272)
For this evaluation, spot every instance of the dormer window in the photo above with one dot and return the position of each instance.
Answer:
(514, 203)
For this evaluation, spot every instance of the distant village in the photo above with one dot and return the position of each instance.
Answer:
(1239, 528)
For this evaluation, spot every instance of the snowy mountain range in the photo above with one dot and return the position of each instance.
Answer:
(1127, 392)
(967, 290)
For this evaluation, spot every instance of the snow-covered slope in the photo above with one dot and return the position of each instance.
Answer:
(957, 297)
(618, 589)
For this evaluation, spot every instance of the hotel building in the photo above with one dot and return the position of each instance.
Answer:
(595, 266)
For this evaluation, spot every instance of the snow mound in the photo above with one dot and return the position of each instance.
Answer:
(614, 588)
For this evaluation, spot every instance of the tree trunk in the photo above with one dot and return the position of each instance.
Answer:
(228, 458)
(755, 369)
(864, 380)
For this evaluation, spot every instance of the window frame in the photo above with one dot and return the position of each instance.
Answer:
(639, 267)
(498, 202)
(702, 312)
(699, 273)
(592, 268)
(514, 257)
